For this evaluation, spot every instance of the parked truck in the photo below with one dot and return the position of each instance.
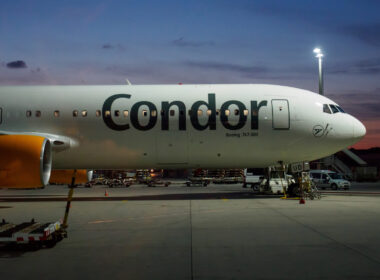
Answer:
(253, 177)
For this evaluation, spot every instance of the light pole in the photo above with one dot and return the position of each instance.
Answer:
(319, 55)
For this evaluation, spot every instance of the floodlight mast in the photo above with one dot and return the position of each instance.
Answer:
(319, 55)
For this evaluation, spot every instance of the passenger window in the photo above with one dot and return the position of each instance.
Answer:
(98, 113)
(236, 112)
(227, 112)
(324, 176)
(75, 113)
(107, 114)
(200, 112)
(245, 112)
(172, 112)
(125, 113)
(56, 114)
(326, 109)
(334, 109)
(153, 113)
(116, 113)
(144, 113)
(84, 113)
(38, 114)
(208, 112)
(28, 113)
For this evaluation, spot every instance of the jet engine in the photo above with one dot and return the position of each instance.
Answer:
(25, 161)
(65, 176)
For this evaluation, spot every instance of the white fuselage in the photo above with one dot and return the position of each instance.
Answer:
(115, 128)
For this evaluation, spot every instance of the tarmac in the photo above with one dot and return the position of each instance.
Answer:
(217, 232)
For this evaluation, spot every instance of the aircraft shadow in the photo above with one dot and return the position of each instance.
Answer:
(181, 196)
(10, 251)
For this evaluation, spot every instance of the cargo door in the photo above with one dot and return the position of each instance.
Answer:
(280, 114)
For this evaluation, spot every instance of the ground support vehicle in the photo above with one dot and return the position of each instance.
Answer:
(89, 184)
(129, 181)
(276, 183)
(118, 183)
(217, 175)
(198, 181)
(151, 177)
(98, 181)
(154, 182)
(222, 176)
(313, 192)
(199, 177)
(303, 187)
(233, 176)
(142, 176)
(31, 233)
(253, 177)
(324, 179)
(228, 180)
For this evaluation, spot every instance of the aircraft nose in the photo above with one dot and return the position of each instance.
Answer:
(359, 129)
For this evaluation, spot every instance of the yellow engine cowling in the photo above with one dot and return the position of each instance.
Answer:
(25, 161)
(65, 176)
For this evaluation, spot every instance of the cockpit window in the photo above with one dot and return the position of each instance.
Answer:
(334, 109)
(340, 109)
(326, 109)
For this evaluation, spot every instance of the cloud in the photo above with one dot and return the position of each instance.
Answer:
(365, 66)
(219, 66)
(108, 46)
(18, 64)
(125, 70)
(36, 70)
(181, 42)
(368, 33)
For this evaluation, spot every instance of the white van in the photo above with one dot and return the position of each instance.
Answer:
(329, 179)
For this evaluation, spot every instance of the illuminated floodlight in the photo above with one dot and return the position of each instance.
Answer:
(319, 55)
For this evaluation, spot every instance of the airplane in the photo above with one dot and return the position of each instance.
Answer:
(46, 132)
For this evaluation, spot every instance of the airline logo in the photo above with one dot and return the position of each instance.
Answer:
(319, 131)
(211, 123)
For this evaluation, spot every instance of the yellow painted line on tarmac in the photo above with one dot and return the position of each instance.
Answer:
(224, 199)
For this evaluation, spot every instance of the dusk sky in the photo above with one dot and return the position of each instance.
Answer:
(167, 42)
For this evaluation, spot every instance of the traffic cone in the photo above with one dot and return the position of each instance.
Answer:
(302, 201)
(105, 193)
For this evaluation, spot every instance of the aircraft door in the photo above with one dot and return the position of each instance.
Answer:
(280, 114)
